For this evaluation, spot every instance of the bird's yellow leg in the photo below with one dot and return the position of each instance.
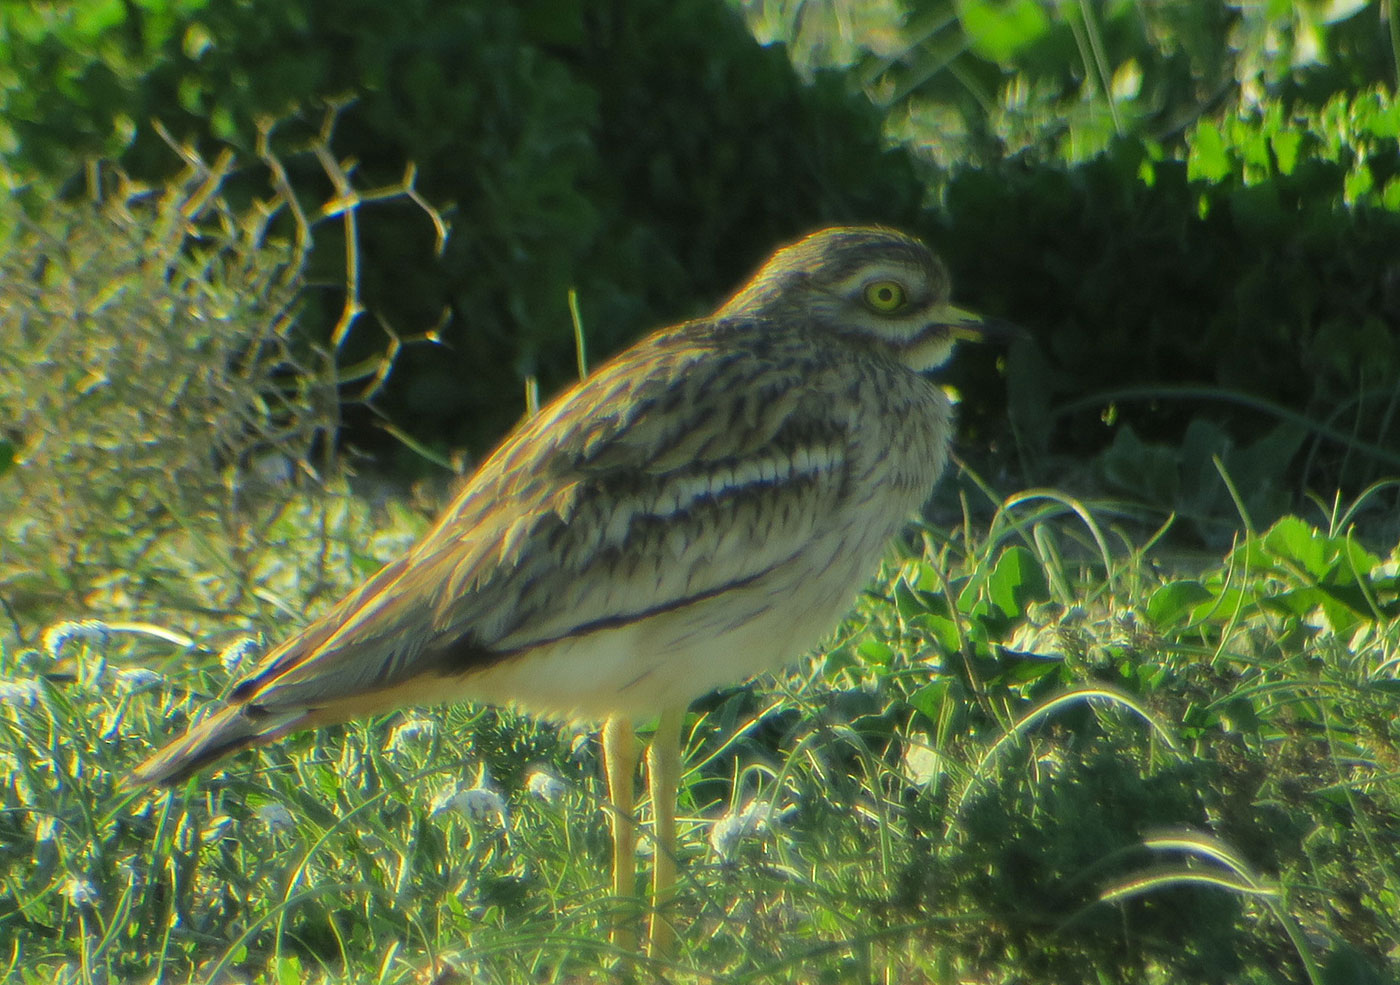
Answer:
(620, 763)
(663, 776)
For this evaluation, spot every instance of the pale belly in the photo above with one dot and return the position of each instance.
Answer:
(668, 660)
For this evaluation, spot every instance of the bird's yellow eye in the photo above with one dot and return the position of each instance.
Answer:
(884, 296)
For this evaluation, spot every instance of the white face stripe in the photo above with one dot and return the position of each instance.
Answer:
(923, 354)
(898, 328)
(913, 277)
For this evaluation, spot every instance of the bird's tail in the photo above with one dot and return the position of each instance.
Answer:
(221, 734)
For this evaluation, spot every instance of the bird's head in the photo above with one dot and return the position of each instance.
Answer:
(873, 284)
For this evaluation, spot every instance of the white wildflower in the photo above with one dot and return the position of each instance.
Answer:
(410, 731)
(275, 816)
(87, 630)
(79, 892)
(233, 655)
(19, 692)
(754, 818)
(477, 803)
(546, 786)
(443, 801)
(480, 803)
(135, 678)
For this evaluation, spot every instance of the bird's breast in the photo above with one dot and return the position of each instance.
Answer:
(711, 579)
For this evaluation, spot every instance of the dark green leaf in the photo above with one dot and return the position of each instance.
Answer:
(1296, 541)
(908, 601)
(1017, 581)
(1026, 667)
(929, 699)
(1348, 966)
(876, 652)
(1173, 602)
(943, 630)
(289, 971)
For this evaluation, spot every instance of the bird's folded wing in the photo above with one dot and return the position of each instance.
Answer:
(662, 480)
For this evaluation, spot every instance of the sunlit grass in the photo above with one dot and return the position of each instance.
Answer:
(892, 810)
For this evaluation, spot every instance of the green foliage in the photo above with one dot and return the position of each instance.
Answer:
(1250, 712)
(158, 406)
(647, 154)
(1308, 579)
(975, 81)
(1028, 758)
(1238, 304)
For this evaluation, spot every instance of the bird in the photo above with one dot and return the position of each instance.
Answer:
(703, 508)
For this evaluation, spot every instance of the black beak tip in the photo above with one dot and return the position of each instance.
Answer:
(1001, 330)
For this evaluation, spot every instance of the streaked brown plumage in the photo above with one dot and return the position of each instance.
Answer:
(702, 508)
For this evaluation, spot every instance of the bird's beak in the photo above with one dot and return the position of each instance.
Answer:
(968, 326)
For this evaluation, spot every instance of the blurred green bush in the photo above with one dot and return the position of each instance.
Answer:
(1240, 302)
(647, 154)
(155, 400)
